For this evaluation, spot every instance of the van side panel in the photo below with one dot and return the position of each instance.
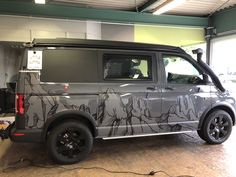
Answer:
(118, 109)
(224, 99)
(43, 101)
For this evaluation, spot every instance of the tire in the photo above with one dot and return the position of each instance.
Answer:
(200, 134)
(70, 142)
(216, 128)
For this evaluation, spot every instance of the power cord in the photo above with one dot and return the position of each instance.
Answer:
(16, 165)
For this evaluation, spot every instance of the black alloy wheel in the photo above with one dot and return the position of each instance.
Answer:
(216, 128)
(219, 127)
(70, 142)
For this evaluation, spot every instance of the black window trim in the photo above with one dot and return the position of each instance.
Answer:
(186, 57)
(134, 53)
(68, 48)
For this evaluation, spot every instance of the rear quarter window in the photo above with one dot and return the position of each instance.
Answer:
(69, 66)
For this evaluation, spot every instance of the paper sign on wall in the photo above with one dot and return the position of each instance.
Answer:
(34, 59)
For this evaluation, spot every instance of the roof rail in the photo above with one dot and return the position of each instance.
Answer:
(85, 43)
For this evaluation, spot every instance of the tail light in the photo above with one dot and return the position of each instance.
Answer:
(20, 104)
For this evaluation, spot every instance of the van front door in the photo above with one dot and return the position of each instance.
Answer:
(184, 94)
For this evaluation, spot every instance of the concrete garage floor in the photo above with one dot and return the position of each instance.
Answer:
(178, 155)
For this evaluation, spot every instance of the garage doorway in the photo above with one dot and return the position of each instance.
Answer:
(10, 55)
(223, 60)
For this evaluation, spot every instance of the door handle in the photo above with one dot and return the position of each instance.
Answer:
(169, 88)
(153, 88)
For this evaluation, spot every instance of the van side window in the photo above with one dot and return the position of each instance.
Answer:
(127, 67)
(180, 71)
(69, 66)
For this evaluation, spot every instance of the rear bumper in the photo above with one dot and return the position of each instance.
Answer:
(26, 135)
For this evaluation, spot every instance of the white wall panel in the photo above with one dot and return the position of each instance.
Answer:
(76, 35)
(25, 29)
(2, 68)
(9, 64)
(14, 35)
(117, 32)
(14, 22)
(48, 34)
(57, 25)
(93, 30)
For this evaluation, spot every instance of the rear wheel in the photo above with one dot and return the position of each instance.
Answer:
(216, 128)
(70, 142)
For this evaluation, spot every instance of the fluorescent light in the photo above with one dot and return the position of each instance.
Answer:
(172, 4)
(39, 1)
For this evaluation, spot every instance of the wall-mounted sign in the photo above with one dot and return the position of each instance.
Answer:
(34, 59)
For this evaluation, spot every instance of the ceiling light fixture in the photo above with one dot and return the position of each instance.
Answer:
(168, 5)
(39, 1)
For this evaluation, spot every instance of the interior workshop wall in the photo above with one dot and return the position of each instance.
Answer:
(177, 36)
(93, 30)
(24, 29)
(2, 68)
(9, 64)
(117, 32)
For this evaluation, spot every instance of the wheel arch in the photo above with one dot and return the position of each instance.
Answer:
(221, 106)
(67, 116)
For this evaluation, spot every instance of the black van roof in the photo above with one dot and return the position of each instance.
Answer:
(85, 43)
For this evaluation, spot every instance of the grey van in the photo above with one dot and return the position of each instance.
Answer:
(70, 91)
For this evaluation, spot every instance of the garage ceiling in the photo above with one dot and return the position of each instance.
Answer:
(105, 4)
(189, 7)
(67, 11)
(201, 7)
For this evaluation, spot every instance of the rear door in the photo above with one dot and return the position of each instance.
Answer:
(130, 95)
(184, 95)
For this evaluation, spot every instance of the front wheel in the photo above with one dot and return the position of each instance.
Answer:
(70, 142)
(216, 128)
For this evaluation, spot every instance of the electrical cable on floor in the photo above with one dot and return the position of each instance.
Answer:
(15, 165)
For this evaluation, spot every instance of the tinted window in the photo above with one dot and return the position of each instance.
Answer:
(180, 71)
(69, 65)
(131, 67)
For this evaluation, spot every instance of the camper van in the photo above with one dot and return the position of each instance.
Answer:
(71, 91)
